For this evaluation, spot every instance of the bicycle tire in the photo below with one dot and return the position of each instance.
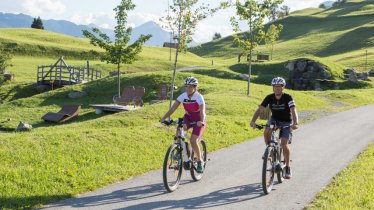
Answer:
(280, 175)
(194, 174)
(268, 170)
(172, 168)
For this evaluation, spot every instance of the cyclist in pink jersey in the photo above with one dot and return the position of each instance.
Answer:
(194, 105)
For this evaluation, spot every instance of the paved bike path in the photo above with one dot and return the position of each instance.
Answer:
(232, 179)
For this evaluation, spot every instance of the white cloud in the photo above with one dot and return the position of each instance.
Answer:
(138, 18)
(38, 7)
(102, 19)
(302, 4)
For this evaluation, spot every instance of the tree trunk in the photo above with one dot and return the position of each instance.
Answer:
(119, 80)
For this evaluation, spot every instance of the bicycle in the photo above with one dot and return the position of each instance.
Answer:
(273, 160)
(176, 153)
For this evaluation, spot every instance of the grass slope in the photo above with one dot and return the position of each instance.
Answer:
(53, 162)
(341, 34)
(352, 188)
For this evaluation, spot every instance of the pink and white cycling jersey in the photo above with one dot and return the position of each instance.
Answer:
(191, 106)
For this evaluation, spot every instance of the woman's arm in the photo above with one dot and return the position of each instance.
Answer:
(171, 111)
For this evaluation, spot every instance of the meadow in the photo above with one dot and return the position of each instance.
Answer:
(58, 161)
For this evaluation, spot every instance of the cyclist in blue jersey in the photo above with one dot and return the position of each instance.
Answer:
(283, 113)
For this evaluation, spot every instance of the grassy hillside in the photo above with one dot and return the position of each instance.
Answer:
(32, 48)
(341, 34)
(53, 162)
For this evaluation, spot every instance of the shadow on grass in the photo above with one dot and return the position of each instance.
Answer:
(30, 202)
(263, 72)
(20, 91)
(221, 74)
(127, 196)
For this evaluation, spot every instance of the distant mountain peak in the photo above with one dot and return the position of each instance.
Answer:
(10, 20)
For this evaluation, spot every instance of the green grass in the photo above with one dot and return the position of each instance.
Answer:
(352, 188)
(53, 162)
(341, 34)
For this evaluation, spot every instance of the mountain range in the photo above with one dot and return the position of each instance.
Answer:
(159, 36)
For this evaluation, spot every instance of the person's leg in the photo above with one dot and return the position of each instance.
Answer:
(286, 150)
(267, 135)
(194, 140)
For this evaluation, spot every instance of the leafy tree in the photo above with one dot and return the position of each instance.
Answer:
(216, 36)
(254, 14)
(322, 6)
(339, 2)
(37, 23)
(182, 19)
(118, 52)
(271, 36)
(274, 10)
(5, 59)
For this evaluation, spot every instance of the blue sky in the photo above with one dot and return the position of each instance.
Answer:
(100, 12)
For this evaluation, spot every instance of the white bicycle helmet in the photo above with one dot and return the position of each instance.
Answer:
(278, 81)
(191, 81)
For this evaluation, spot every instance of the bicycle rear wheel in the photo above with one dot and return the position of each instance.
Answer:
(194, 174)
(280, 174)
(268, 170)
(172, 168)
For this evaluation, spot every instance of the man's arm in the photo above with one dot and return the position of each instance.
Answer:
(295, 118)
(255, 116)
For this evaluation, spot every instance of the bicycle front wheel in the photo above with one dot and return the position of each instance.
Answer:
(194, 174)
(268, 170)
(172, 168)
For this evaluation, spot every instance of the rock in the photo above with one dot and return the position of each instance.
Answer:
(350, 71)
(290, 65)
(244, 76)
(77, 94)
(113, 73)
(300, 65)
(8, 76)
(371, 73)
(23, 127)
(352, 78)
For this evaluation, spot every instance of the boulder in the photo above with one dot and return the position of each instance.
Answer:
(300, 65)
(290, 65)
(8, 76)
(371, 73)
(305, 73)
(77, 94)
(352, 77)
(244, 76)
(23, 127)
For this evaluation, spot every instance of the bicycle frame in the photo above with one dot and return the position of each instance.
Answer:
(179, 139)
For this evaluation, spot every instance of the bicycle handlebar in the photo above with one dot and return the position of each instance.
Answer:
(261, 126)
(177, 121)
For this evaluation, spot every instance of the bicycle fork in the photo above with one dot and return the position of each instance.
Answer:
(183, 144)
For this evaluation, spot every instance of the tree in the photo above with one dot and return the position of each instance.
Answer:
(216, 36)
(274, 10)
(254, 14)
(37, 23)
(286, 10)
(338, 3)
(182, 19)
(5, 59)
(322, 6)
(118, 52)
(271, 36)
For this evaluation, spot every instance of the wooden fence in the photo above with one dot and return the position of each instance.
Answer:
(62, 74)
